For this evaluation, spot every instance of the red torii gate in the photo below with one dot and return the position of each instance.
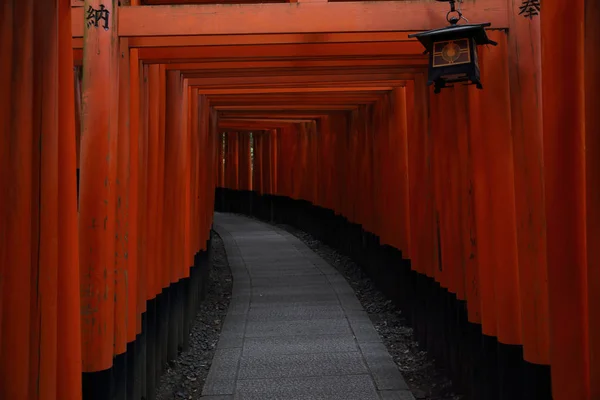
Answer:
(39, 356)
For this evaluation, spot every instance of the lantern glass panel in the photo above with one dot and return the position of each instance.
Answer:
(451, 52)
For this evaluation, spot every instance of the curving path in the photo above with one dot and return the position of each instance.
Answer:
(294, 328)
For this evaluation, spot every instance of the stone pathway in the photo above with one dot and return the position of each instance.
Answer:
(294, 329)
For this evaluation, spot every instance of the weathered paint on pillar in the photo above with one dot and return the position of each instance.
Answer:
(525, 71)
(97, 183)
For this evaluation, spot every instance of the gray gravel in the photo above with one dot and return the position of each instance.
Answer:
(186, 376)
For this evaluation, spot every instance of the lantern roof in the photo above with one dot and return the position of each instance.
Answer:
(475, 31)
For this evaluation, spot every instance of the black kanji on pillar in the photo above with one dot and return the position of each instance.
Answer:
(94, 16)
(530, 8)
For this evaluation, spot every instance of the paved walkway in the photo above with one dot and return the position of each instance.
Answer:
(294, 329)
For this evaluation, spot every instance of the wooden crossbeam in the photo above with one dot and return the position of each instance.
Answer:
(305, 65)
(235, 40)
(305, 114)
(283, 107)
(329, 90)
(279, 51)
(299, 80)
(309, 18)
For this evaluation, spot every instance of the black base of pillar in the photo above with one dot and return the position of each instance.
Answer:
(166, 325)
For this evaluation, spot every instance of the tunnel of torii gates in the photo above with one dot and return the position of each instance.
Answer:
(476, 211)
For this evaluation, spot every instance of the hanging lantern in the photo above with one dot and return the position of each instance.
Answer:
(453, 50)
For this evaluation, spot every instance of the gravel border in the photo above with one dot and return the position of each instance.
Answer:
(424, 378)
(185, 377)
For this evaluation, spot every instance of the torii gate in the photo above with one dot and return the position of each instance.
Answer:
(195, 71)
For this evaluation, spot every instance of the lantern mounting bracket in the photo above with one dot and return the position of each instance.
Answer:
(453, 20)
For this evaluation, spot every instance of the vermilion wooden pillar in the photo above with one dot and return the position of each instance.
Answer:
(143, 290)
(266, 162)
(77, 93)
(195, 223)
(68, 363)
(232, 162)
(162, 263)
(220, 162)
(6, 44)
(186, 260)
(97, 194)
(134, 364)
(16, 247)
(563, 99)
(153, 238)
(133, 194)
(171, 177)
(592, 144)
(257, 183)
(467, 272)
(525, 71)
(397, 139)
(245, 168)
(447, 177)
(494, 198)
(274, 173)
(314, 162)
(44, 257)
(122, 204)
(6, 51)
(467, 221)
(422, 223)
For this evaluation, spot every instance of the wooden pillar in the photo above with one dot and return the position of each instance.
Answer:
(220, 158)
(563, 99)
(258, 162)
(77, 93)
(244, 161)
(6, 52)
(422, 223)
(144, 326)
(17, 136)
(592, 145)
(232, 163)
(133, 194)
(122, 204)
(186, 261)
(447, 178)
(195, 223)
(153, 239)
(69, 321)
(397, 139)
(143, 289)
(467, 207)
(44, 257)
(97, 193)
(162, 264)
(525, 71)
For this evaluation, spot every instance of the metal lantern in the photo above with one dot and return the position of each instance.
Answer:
(453, 50)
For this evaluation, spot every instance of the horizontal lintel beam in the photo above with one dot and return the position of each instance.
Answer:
(306, 65)
(294, 90)
(292, 107)
(309, 18)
